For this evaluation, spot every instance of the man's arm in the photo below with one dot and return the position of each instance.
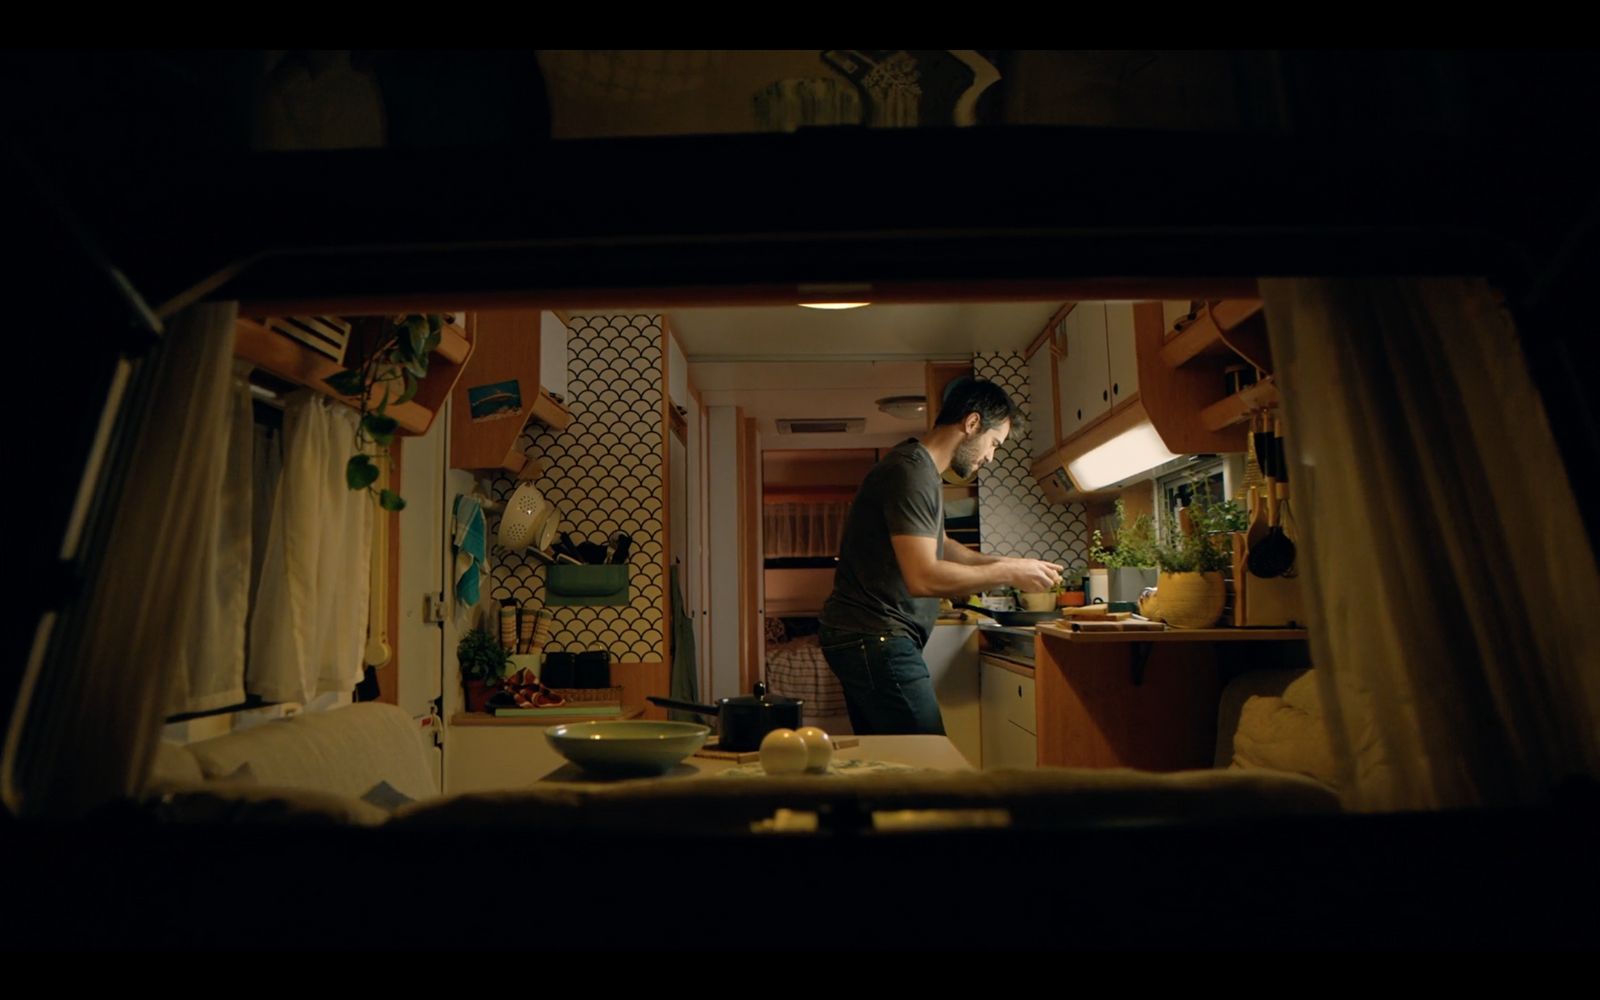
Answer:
(926, 575)
(958, 553)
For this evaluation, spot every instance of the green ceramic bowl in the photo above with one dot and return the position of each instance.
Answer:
(634, 746)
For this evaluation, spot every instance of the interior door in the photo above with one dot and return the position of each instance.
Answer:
(425, 527)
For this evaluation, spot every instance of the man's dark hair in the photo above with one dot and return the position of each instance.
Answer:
(975, 395)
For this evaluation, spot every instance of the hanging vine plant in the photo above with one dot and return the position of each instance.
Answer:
(387, 375)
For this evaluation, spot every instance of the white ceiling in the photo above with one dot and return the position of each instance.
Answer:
(909, 332)
(785, 361)
(770, 390)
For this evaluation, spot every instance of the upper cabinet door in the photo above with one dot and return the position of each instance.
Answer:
(552, 354)
(1083, 368)
(1042, 400)
(1123, 357)
(677, 374)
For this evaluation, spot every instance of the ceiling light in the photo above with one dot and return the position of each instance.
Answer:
(833, 305)
(904, 407)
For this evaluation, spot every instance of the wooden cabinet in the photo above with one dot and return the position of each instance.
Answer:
(952, 659)
(501, 389)
(1008, 716)
(260, 342)
(1083, 372)
(1042, 399)
(1121, 352)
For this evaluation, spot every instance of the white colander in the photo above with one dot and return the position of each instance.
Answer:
(520, 521)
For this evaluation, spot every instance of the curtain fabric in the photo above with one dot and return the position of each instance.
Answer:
(308, 628)
(1451, 584)
(93, 722)
(795, 530)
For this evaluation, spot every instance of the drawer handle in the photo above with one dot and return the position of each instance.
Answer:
(1019, 690)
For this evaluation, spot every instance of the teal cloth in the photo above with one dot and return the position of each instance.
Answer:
(684, 684)
(472, 554)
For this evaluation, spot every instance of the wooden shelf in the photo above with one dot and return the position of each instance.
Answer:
(1239, 406)
(551, 413)
(505, 361)
(485, 719)
(1222, 329)
(289, 359)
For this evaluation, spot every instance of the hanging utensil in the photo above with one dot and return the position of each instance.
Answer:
(1275, 553)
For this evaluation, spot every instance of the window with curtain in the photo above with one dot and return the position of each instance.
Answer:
(804, 530)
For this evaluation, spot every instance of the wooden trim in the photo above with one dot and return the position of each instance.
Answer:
(666, 501)
(639, 680)
(750, 562)
(564, 316)
(1172, 398)
(1049, 329)
(389, 674)
(910, 292)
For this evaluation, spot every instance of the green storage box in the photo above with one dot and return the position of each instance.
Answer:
(569, 585)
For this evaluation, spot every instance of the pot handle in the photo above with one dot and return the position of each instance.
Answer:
(686, 706)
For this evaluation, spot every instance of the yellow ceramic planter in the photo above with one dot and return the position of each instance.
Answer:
(1190, 600)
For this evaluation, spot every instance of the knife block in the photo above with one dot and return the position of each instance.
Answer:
(1259, 600)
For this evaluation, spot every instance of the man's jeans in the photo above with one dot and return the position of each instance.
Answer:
(886, 683)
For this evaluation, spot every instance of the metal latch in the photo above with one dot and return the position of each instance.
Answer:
(433, 608)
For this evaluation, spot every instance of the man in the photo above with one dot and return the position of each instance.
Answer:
(895, 562)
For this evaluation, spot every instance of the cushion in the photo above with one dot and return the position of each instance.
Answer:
(1286, 732)
(386, 797)
(344, 751)
(775, 631)
(259, 804)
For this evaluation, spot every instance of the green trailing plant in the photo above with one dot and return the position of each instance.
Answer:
(481, 656)
(1209, 548)
(388, 374)
(1136, 542)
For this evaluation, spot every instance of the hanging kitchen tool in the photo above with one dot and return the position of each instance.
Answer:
(520, 519)
(1274, 554)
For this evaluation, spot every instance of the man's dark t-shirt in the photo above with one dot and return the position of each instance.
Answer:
(902, 495)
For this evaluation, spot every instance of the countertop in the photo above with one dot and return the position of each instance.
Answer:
(933, 752)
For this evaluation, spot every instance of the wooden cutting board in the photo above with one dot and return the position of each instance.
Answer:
(749, 756)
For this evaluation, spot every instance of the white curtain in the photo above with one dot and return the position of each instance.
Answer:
(1452, 586)
(210, 662)
(308, 629)
(87, 730)
(803, 529)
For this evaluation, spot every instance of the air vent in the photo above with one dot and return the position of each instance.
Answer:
(828, 425)
(328, 335)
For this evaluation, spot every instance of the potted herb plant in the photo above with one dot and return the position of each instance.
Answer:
(1132, 563)
(1069, 589)
(1190, 591)
(483, 664)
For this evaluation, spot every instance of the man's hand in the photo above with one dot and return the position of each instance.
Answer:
(1033, 576)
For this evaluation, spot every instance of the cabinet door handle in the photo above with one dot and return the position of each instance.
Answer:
(1080, 414)
(1114, 389)
(1019, 690)
(1104, 394)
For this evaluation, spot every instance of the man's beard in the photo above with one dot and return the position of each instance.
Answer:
(964, 461)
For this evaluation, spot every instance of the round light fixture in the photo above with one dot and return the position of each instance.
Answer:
(833, 305)
(904, 407)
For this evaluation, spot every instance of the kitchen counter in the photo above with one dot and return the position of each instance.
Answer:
(935, 753)
(1140, 699)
